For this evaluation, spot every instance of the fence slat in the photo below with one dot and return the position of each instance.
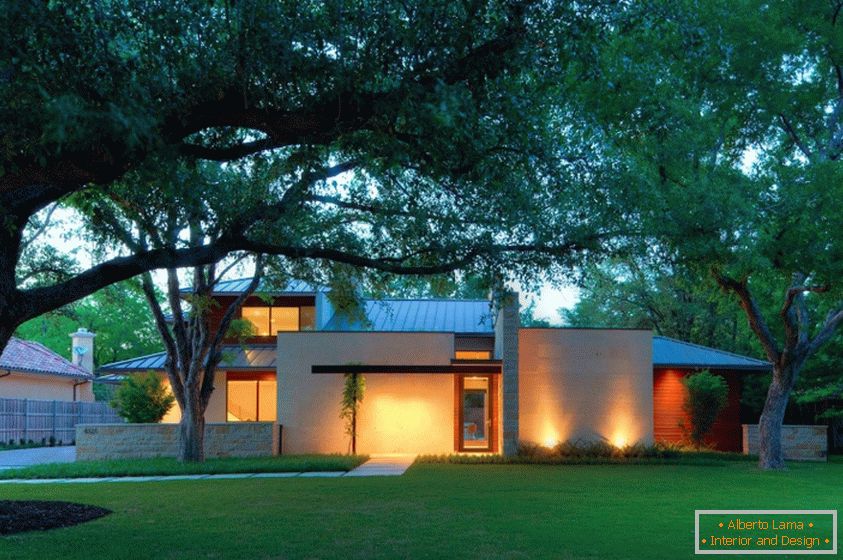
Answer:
(26, 419)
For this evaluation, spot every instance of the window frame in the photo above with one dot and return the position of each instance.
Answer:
(257, 377)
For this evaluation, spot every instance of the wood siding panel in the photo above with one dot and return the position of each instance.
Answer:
(668, 400)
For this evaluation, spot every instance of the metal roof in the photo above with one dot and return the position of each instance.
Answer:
(31, 357)
(419, 315)
(233, 287)
(252, 356)
(669, 352)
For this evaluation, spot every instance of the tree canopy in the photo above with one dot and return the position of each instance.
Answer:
(731, 114)
(445, 117)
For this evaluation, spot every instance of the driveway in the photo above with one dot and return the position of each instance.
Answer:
(37, 456)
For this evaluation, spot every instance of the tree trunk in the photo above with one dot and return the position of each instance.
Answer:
(192, 431)
(770, 454)
(6, 332)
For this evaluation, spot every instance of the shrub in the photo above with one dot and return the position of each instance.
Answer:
(142, 399)
(706, 397)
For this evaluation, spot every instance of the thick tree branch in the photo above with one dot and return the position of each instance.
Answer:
(832, 322)
(753, 314)
(176, 383)
(791, 132)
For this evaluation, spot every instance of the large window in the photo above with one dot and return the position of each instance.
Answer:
(473, 355)
(269, 320)
(251, 397)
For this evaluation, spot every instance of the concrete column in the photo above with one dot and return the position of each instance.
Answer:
(82, 349)
(507, 323)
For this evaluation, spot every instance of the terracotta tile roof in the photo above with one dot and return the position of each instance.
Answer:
(31, 357)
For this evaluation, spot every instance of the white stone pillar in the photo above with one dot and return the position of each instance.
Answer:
(82, 349)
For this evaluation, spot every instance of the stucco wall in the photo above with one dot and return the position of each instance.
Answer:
(44, 388)
(216, 406)
(585, 384)
(138, 441)
(399, 414)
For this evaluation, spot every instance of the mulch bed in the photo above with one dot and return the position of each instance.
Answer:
(17, 516)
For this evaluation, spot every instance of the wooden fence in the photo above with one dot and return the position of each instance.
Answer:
(46, 421)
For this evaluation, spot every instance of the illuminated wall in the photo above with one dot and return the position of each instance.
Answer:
(585, 384)
(669, 395)
(400, 413)
(43, 387)
(216, 406)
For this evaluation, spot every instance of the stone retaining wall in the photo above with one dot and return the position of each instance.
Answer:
(141, 441)
(800, 443)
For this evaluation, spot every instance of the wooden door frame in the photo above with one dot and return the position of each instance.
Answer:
(494, 413)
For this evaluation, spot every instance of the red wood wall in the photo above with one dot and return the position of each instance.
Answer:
(669, 398)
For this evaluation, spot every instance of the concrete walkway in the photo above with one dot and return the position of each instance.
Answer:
(380, 465)
(384, 465)
(36, 456)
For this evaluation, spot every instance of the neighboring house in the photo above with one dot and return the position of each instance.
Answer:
(29, 370)
(447, 376)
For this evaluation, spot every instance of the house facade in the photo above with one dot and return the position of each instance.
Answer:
(29, 370)
(445, 376)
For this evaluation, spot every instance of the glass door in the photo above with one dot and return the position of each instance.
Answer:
(476, 413)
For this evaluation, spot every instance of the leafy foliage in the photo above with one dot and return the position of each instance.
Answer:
(707, 394)
(353, 391)
(118, 315)
(143, 398)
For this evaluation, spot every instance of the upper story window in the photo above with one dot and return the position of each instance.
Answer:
(269, 320)
(473, 355)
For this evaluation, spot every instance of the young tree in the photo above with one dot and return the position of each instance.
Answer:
(463, 101)
(354, 388)
(707, 394)
(738, 145)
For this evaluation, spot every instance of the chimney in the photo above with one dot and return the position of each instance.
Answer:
(507, 325)
(82, 349)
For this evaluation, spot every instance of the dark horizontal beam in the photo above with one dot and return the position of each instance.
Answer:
(488, 362)
(485, 369)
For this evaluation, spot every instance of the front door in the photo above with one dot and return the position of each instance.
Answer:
(476, 426)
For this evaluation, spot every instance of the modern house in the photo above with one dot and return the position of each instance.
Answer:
(446, 376)
(29, 370)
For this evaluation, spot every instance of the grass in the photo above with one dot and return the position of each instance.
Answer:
(165, 466)
(433, 511)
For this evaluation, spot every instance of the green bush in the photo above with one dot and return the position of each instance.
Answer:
(142, 399)
(707, 394)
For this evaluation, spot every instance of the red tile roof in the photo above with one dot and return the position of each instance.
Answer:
(31, 357)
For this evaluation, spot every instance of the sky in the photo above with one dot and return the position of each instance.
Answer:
(548, 300)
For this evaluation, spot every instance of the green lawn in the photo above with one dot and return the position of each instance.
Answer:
(433, 511)
(165, 466)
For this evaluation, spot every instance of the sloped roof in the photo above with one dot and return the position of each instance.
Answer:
(31, 357)
(419, 315)
(669, 352)
(233, 287)
(253, 356)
